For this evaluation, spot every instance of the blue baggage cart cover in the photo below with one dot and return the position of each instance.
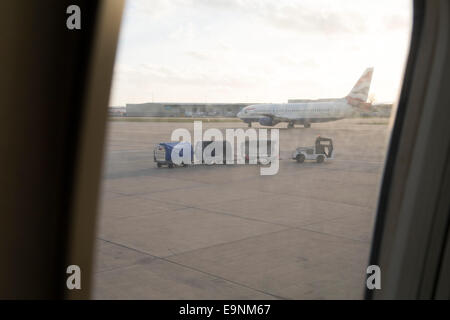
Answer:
(169, 146)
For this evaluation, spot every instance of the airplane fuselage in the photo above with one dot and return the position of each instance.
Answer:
(296, 113)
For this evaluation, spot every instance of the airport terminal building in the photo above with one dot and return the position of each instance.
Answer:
(160, 109)
(175, 109)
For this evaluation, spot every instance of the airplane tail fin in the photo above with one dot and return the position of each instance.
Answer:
(360, 92)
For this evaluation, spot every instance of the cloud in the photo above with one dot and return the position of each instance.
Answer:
(197, 55)
(396, 22)
(201, 77)
(299, 19)
(152, 8)
(302, 17)
(299, 16)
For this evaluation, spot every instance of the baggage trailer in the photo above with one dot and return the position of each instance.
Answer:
(218, 145)
(256, 155)
(162, 154)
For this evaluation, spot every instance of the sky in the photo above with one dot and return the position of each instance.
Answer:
(259, 50)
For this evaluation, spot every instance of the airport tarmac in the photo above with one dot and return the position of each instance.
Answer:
(226, 232)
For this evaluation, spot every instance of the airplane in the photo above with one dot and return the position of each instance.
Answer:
(305, 113)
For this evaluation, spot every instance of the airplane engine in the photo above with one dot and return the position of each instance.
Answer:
(267, 121)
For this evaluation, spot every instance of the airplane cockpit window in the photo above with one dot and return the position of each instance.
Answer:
(184, 219)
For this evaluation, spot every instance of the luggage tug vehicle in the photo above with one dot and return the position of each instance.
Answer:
(321, 151)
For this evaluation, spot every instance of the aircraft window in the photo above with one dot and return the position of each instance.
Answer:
(190, 230)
